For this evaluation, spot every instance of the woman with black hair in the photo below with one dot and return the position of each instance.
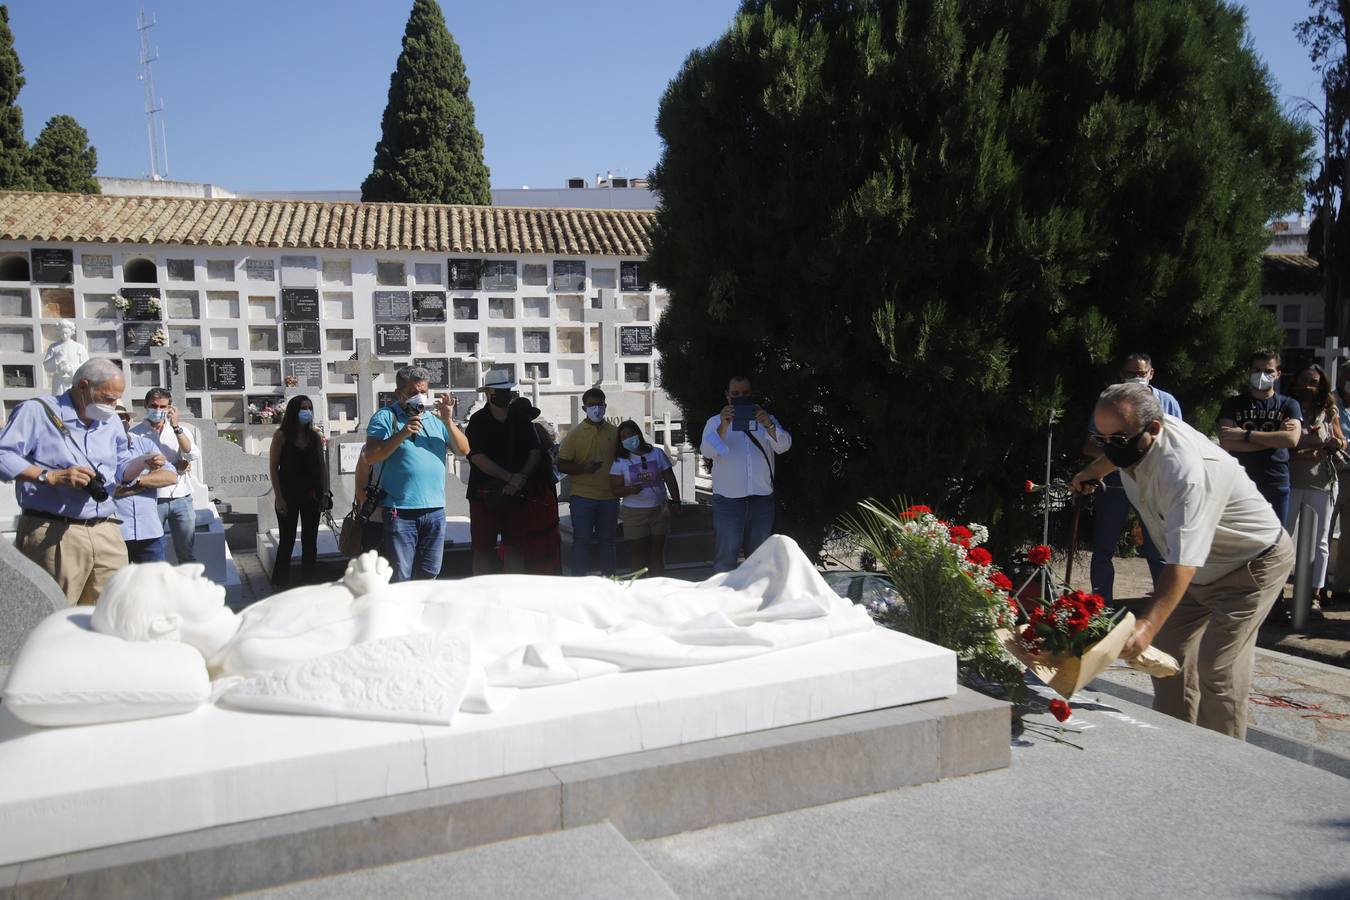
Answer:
(299, 486)
(1312, 471)
(643, 476)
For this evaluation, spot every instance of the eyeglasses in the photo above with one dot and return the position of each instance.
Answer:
(1114, 440)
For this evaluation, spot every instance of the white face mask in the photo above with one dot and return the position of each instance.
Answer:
(1142, 379)
(421, 401)
(596, 414)
(1262, 381)
(100, 412)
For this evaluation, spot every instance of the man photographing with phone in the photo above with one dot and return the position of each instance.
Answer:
(743, 442)
(412, 438)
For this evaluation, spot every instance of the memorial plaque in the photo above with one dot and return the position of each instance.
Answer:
(428, 306)
(136, 337)
(299, 305)
(52, 266)
(260, 269)
(383, 399)
(224, 374)
(499, 275)
(181, 270)
(96, 265)
(535, 340)
(466, 307)
(569, 275)
(300, 337)
(392, 306)
(534, 274)
(635, 340)
(195, 375)
(464, 274)
(463, 373)
(393, 340)
(145, 305)
(631, 277)
(636, 372)
(19, 376)
(349, 454)
(309, 372)
(438, 366)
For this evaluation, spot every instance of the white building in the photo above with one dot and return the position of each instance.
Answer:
(263, 289)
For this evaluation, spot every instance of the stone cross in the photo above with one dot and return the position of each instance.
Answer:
(533, 380)
(175, 353)
(608, 316)
(1330, 357)
(366, 366)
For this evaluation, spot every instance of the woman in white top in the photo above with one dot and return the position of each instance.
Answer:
(642, 475)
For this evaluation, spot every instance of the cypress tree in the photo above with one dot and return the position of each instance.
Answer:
(430, 150)
(923, 226)
(62, 158)
(13, 145)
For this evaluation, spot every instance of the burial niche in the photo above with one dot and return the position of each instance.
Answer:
(14, 267)
(140, 271)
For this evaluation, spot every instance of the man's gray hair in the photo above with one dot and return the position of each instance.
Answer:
(97, 372)
(408, 374)
(1143, 406)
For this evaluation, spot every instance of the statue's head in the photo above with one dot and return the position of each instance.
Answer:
(67, 329)
(161, 602)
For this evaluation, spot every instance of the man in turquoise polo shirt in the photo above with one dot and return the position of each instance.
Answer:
(412, 443)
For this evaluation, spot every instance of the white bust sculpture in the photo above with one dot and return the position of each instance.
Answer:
(63, 358)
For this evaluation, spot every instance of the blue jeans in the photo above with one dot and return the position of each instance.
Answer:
(148, 550)
(414, 542)
(598, 519)
(1109, 512)
(179, 519)
(739, 522)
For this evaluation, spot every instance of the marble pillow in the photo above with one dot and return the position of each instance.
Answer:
(69, 674)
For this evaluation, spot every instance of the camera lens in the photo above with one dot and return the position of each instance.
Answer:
(96, 488)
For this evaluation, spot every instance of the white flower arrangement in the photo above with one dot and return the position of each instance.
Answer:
(160, 338)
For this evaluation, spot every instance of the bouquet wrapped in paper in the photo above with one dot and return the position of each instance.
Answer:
(1074, 639)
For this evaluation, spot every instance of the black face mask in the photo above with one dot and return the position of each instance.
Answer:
(1126, 456)
(501, 399)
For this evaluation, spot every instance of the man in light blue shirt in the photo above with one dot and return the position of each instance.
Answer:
(67, 455)
(136, 505)
(1111, 507)
(412, 446)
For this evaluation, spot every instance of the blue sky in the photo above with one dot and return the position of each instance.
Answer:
(287, 94)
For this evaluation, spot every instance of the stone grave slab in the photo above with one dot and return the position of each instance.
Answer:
(28, 596)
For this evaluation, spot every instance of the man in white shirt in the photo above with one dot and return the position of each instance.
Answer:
(176, 514)
(743, 458)
(1226, 556)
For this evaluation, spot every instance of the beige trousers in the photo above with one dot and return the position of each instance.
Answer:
(81, 558)
(1212, 633)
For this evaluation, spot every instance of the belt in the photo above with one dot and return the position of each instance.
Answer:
(53, 517)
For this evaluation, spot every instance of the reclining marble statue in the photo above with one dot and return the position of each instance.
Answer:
(423, 650)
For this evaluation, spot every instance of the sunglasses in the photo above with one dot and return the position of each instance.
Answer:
(1115, 440)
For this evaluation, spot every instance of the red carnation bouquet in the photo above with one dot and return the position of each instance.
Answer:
(1072, 639)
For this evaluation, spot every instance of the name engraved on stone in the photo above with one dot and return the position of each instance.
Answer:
(393, 340)
(392, 306)
(300, 337)
(309, 372)
(299, 305)
(635, 340)
(464, 274)
(260, 269)
(631, 277)
(225, 374)
(53, 266)
(136, 337)
(438, 367)
(428, 306)
(144, 305)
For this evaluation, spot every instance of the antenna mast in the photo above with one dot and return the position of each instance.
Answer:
(159, 144)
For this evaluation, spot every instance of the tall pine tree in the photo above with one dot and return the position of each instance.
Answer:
(13, 145)
(62, 158)
(922, 226)
(430, 150)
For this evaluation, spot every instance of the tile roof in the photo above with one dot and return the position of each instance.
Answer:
(1290, 273)
(95, 218)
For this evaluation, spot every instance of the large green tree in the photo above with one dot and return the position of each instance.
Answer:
(62, 158)
(430, 150)
(923, 225)
(13, 145)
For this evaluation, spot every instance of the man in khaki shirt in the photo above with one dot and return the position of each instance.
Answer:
(1225, 555)
(586, 455)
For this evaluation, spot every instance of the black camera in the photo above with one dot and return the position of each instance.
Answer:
(97, 488)
(372, 503)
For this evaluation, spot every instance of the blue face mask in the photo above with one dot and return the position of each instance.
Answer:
(305, 416)
(631, 444)
(156, 415)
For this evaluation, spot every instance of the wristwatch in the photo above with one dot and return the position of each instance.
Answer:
(178, 429)
(42, 476)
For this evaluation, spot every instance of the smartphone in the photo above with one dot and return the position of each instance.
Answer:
(745, 414)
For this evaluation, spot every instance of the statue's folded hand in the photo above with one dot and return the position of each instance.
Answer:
(367, 574)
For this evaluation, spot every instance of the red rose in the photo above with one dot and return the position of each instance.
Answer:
(1029, 487)
(1029, 636)
(960, 534)
(1095, 604)
(1038, 555)
(919, 509)
(1059, 709)
(980, 556)
(1001, 581)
